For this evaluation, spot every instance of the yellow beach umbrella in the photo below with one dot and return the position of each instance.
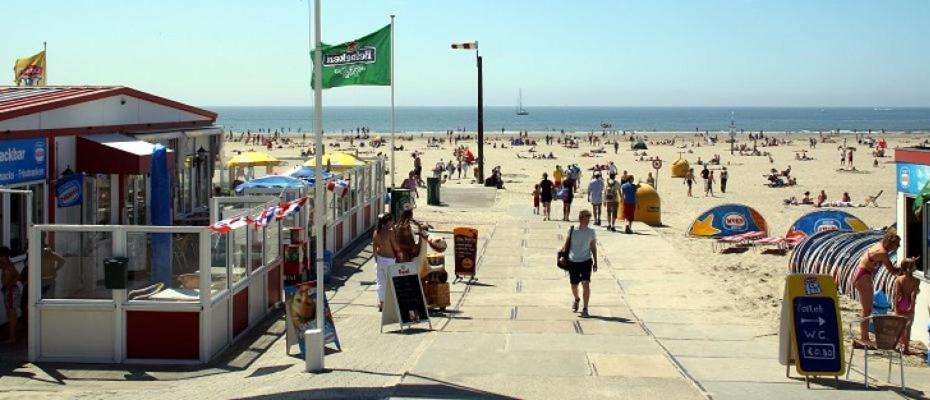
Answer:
(253, 159)
(336, 161)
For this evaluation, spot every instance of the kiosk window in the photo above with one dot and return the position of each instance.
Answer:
(18, 220)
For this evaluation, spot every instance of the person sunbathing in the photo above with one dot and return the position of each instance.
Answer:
(821, 198)
(807, 198)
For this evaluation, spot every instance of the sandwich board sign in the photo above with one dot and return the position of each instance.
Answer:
(466, 252)
(404, 302)
(811, 336)
(300, 313)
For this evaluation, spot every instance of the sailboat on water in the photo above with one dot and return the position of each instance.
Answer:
(520, 110)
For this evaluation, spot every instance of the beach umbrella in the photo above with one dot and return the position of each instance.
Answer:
(337, 161)
(307, 173)
(272, 182)
(253, 159)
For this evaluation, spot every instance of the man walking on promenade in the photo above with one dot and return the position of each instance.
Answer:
(612, 200)
(628, 191)
(581, 245)
(596, 196)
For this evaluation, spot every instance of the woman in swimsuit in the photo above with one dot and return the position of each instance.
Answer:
(906, 289)
(384, 248)
(875, 257)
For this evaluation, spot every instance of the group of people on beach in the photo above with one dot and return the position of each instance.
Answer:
(601, 193)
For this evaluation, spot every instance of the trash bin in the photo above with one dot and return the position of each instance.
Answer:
(115, 272)
(401, 199)
(432, 191)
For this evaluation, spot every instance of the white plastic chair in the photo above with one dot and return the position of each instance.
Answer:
(888, 329)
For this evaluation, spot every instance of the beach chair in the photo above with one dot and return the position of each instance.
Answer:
(743, 239)
(888, 329)
(873, 200)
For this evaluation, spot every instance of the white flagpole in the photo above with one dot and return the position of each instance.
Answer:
(319, 207)
(393, 164)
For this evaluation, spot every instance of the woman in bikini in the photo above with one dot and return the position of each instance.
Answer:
(875, 257)
(384, 248)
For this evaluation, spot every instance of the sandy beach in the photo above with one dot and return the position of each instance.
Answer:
(753, 278)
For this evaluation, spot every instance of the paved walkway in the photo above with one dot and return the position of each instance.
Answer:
(658, 329)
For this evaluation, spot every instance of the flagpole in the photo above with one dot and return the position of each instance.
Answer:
(319, 207)
(393, 164)
(45, 50)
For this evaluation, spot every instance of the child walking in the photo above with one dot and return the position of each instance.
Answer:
(536, 199)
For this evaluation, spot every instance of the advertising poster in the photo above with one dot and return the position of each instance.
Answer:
(300, 310)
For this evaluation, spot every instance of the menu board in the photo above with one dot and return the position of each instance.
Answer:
(810, 335)
(466, 251)
(404, 302)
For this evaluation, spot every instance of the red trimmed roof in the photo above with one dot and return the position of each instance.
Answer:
(16, 101)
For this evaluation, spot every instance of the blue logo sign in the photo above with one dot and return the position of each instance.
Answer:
(69, 189)
(817, 333)
(912, 177)
(22, 160)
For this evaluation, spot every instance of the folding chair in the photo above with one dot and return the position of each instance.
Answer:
(888, 329)
(873, 200)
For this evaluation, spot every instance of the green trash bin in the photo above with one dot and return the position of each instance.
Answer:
(116, 272)
(432, 191)
(401, 199)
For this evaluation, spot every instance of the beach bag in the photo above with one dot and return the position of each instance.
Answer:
(562, 193)
(562, 258)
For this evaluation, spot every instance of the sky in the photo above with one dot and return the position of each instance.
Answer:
(561, 53)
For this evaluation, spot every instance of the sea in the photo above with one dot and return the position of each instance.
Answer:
(428, 120)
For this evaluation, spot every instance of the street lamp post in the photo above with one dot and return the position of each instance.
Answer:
(474, 46)
(480, 120)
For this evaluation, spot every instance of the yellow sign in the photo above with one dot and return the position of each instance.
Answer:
(811, 333)
(30, 71)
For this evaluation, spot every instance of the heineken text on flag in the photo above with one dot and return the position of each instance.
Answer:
(364, 61)
(30, 71)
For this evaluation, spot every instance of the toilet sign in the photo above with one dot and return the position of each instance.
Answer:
(811, 327)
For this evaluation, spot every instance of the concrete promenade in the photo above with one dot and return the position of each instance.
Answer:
(658, 329)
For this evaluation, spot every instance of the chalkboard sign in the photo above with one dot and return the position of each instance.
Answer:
(466, 251)
(409, 294)
(817, 338)
(404, 302)
(810, 334)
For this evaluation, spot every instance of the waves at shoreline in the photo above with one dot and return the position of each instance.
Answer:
(542, 120)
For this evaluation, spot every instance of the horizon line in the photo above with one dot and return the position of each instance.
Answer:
(581, 106)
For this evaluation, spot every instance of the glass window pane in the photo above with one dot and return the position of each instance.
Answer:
(72, 265)
(272, 242)
(238, 261)
(164, 266)
(258, 240)
(103, 199)
(218, 272)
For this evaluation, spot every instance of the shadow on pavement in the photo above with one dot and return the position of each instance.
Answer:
(424, 388)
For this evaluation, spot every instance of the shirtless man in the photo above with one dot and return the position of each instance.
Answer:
(12, 291)
(383, 243)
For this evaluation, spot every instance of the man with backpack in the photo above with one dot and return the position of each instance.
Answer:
(612, 200)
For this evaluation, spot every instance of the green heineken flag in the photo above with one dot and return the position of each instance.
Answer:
(364, 61)
(922, 197)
